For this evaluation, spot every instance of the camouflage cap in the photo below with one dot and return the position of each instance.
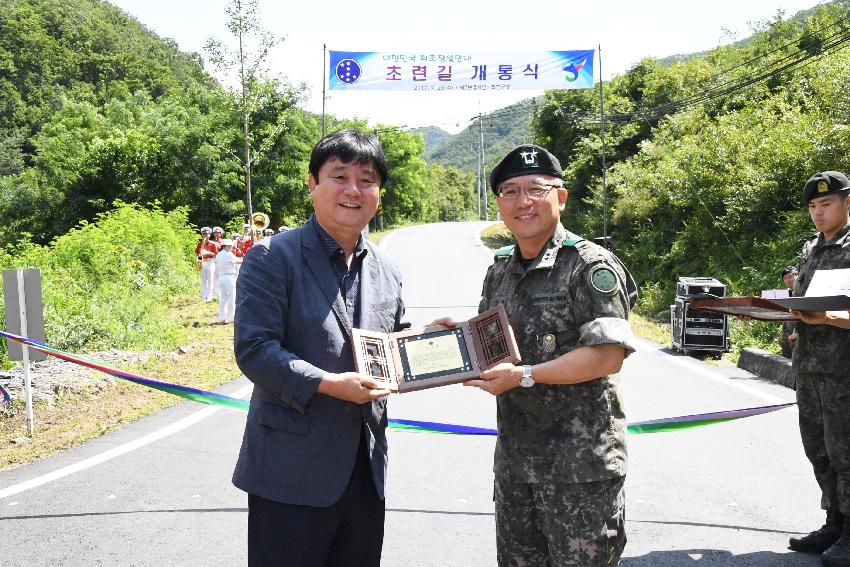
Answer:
(824, 183)
(524, 160)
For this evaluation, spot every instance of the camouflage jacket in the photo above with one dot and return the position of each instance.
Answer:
(573, 294)
(822, 348)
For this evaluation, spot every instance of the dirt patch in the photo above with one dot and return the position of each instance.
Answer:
(74, 404)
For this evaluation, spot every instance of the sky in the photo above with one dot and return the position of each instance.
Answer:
(626, 31)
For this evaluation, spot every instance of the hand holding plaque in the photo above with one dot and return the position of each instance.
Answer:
(436, 355)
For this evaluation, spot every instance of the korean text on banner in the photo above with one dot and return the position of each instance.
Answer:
(438, 71)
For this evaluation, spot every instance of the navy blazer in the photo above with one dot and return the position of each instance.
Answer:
(291, 326)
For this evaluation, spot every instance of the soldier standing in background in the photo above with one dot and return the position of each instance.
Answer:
(560, 460)
(788, 336)
(821, 367)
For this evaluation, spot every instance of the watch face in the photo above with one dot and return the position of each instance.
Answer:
(527, 381)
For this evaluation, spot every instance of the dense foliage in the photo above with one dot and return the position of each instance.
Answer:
(108, 283)
(94, 108)
(707, 156)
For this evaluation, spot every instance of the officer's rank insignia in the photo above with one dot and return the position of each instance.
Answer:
(823, 187)
(547, 341)
(603, 279)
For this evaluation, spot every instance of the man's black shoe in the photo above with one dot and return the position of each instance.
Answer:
(821, 539)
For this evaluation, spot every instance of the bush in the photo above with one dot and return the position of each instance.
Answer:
(106, 284)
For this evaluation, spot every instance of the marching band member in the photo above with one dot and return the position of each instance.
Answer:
(217, 232)
(226, 264)
(205, 251)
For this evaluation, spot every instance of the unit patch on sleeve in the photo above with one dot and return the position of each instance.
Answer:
(603, 279)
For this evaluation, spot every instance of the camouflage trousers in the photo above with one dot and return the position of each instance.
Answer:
(560, 524)
(824, 404)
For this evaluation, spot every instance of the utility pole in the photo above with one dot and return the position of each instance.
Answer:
(247, 145)
(324, 83)
(605, 241)
(483, 181)
(379, 215)
(478, 179)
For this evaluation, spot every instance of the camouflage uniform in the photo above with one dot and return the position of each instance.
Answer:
(560, 459)
(821, 366)
(785, 344)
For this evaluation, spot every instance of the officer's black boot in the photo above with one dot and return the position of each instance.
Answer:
(839, 554)
(821, 539)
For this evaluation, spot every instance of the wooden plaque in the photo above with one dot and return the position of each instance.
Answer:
(752, 307)
(436, 355)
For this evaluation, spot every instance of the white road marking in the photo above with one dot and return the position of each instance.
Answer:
(483, 247)
(120, 450)
(695, 368)
(111, 497)
(383, 242)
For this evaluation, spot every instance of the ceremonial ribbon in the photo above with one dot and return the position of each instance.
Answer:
(194, 394)
(212, 398)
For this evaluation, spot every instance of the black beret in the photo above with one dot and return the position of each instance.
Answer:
(824, 183)
(524, 160)
(788, 270)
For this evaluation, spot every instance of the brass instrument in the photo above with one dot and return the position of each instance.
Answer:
(260, 221)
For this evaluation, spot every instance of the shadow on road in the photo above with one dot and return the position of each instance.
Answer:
(719, 558)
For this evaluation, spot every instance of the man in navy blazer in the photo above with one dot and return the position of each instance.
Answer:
(314, 454)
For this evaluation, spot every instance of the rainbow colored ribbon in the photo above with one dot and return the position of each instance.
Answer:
(212, 398)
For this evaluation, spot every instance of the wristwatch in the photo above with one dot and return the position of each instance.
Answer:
(527, 381)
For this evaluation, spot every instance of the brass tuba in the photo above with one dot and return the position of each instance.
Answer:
(260, 221)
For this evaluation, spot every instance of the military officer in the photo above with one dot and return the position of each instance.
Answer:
(821, 367)
(560, 460)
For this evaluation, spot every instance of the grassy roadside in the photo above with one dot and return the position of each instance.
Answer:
(203, 359)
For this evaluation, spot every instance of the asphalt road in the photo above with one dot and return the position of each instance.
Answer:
(157, 492)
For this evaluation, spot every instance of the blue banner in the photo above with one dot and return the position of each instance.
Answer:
(460, 71)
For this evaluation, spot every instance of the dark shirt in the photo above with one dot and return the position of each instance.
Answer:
(348, 277)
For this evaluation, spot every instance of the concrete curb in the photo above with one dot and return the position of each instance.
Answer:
(767, 365)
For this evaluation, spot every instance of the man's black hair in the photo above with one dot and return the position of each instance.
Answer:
(349, 146)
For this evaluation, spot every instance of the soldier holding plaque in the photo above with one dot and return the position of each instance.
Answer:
(560, 460)
(821, 368)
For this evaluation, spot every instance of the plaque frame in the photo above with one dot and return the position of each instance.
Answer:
(753, 307)
(772, 309)
(475, 345)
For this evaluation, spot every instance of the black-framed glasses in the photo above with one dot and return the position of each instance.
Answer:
(535, 190)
